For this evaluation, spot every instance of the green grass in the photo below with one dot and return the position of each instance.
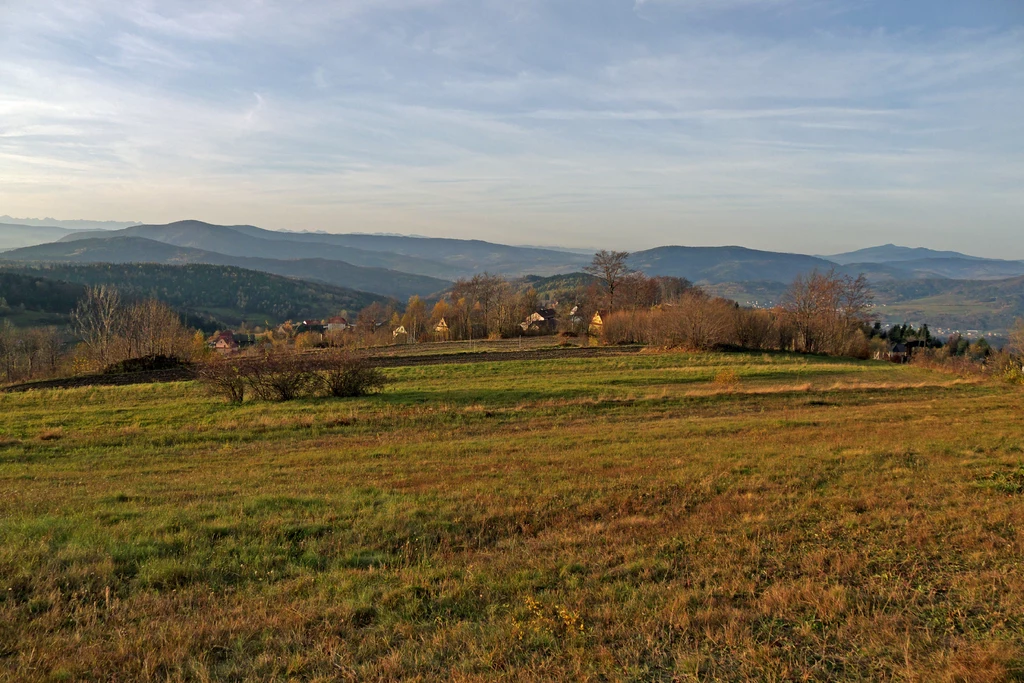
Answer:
(642, 517)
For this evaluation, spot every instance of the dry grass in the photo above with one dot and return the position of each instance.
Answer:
(603, 519)
(51, 434)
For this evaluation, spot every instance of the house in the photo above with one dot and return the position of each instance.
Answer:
(316, 326)
(337, 324)
(597, 323)
(441, 330)
(397, 331)
(540, 322)
(223, 342)
(899, 353)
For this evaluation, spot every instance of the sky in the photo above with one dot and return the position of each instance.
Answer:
(813, 126)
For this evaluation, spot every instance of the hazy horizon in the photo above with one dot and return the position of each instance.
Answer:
(785, 125)
(89, 225)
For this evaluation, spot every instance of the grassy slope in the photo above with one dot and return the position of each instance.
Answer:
(626, 518)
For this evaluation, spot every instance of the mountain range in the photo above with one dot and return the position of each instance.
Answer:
(433, 257)
(399, 266)
(127, 249)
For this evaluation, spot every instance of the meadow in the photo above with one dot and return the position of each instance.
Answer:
(650, 517)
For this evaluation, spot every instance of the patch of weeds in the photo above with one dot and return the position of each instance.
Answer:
(363, 616)
(1010, 482)
(302, 532)
(363, 560)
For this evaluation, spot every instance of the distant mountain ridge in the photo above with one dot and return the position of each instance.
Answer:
(887, 253)
(429, 256)
(930, 268)
(76, 224)
(16, 236)
(129, 249)
(401, 265)
(725, 264)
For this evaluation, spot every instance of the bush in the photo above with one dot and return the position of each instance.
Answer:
(281, 376)
(278, 375)
(348, 375)
(225, 378)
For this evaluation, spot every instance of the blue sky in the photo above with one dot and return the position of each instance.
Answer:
(802, 125)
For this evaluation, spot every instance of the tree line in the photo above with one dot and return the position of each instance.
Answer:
(105, 330)
(825, 313)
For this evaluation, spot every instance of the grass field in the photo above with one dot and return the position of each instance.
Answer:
(644, 517)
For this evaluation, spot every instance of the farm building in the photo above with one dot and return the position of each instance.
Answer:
(223, 341)
(597, 322)
(337, 324)
(542, 321)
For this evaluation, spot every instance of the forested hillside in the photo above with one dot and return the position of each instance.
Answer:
(220, 293)
(37, 293)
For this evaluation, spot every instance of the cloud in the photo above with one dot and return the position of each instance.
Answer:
(444, 116)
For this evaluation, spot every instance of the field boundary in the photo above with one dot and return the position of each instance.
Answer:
(185, 374)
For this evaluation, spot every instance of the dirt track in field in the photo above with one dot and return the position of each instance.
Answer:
(380, 361)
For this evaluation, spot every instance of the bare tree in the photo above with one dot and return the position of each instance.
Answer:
(52, 345)
(610, 267)
(154, 329)
(415, 318)
(637, 291)
(98, 321)
(827, 308)
(372, 317)
(481, 292)
(1016, 345)
(8, 349)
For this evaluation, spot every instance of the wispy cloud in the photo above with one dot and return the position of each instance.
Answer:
(515, 119)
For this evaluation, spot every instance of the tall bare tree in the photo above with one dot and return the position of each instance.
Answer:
(8, 349)
(1016, 345)
(481, 292)
(98, 320)
(154, 329)
(610, 267)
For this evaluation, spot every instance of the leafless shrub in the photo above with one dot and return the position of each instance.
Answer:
(627, 327)
(278, 375)
(701, 322)
(756, 328)
(695, 321)
(223, 377)
(283, 376)
(346, 374)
